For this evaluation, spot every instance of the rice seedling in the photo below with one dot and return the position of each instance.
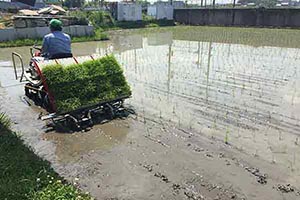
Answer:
(256, 153)
(292, 168)
(86, 84)
(227, 137)
(215, 123)
(280, 135)
(273, 158)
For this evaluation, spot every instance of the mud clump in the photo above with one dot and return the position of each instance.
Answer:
(162, 177)
(148, 167)
(209, 155)
(285, 188)
(193, 195)
(197, 149)
(176, 188)
(156, 141)
(112, 198)
(261, 178)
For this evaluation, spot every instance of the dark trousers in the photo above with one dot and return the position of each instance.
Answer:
(61, 55)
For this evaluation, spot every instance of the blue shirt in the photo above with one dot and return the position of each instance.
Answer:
(56, 42)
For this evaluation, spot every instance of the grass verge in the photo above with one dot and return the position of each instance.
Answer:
(24, 175)
(143, 24)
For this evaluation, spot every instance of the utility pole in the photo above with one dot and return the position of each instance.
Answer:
(233, 4)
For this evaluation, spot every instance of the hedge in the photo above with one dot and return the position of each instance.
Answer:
(79, 85)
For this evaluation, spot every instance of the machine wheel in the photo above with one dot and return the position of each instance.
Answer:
(31, 75)
(46, 102)
(110, 111)
(72, 123)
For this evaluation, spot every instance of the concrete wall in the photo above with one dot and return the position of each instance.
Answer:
(5, 5)
(151, 10)
(39, 32)
(129, 12)
(239, 17)
(17, 5)
(161, 11)
(164, 12)
(178, 4)
(13, 5)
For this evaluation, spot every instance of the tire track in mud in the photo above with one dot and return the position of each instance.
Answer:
(205, 187)
(196, 188)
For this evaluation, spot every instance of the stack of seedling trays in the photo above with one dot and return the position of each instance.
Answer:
(79, 91)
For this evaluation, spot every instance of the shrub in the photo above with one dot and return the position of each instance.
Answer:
(148, 18)
(85, 84)
(81, 17)
(101, 19)
(151, 25)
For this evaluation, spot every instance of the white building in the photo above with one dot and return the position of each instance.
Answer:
(129, 12)
(161, 10)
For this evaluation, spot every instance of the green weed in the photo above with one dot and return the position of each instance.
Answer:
(24, 175)
(55, 189)
(5, 122)
(101, 19)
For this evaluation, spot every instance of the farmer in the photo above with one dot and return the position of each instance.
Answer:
(56, 44)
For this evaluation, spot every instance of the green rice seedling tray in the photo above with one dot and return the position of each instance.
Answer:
(81, 85)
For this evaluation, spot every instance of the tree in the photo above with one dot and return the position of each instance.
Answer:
(73, 3)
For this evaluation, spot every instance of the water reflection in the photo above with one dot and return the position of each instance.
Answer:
(217, 88)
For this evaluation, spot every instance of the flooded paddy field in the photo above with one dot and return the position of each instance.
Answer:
(217, 117)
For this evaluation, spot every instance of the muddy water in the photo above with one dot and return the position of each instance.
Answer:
(226, 84)
(243, 94)
(69, 147)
